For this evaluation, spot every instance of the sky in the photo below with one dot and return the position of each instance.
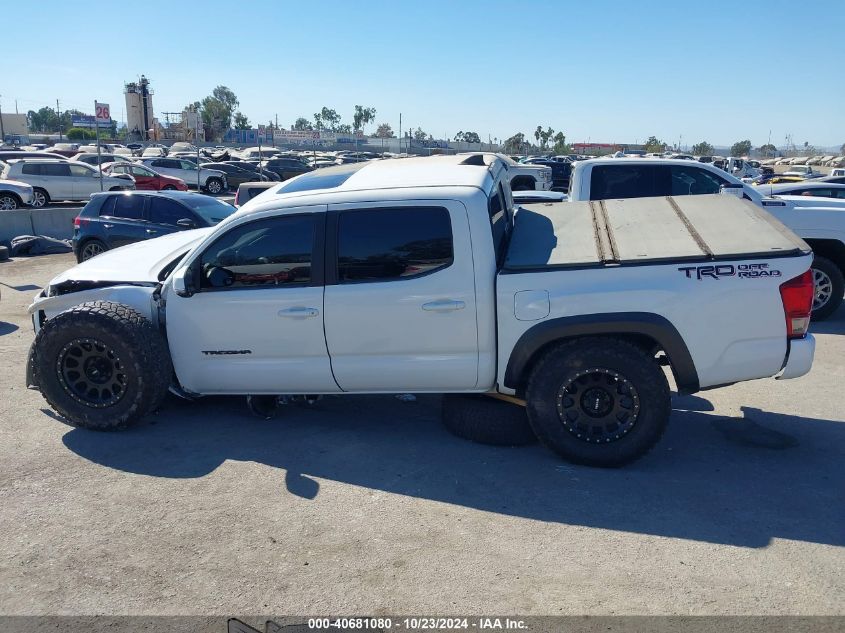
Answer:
(600, 70)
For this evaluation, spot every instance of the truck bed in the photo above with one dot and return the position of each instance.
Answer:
(645, 230)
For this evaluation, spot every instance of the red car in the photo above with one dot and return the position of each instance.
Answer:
(146, 178)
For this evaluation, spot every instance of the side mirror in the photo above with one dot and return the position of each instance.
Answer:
(186, 223)
(732, 190)
(183, 282)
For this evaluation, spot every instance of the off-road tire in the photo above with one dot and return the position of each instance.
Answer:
(138, 346)
(616, 366)
(835, 282)
(486, 420)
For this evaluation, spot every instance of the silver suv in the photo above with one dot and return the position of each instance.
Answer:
(63, 180)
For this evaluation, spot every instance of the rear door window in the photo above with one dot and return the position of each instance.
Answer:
(127, 206)
(393, 244)
(55, 169)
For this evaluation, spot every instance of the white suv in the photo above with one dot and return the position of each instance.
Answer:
(212, 180)
(62, 180)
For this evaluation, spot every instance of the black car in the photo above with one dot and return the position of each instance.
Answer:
(258, 171)
(114, 219)
(235, 174)
(561, 171)
(286, 167)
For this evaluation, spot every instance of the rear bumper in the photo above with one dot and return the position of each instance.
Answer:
(799, 359)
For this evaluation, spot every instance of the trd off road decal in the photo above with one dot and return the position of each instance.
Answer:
(748, 271)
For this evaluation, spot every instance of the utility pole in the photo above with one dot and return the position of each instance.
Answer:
(59, 117)
(2, 131)
(400, 132)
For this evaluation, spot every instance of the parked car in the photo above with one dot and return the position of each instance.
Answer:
(815, 188)
(257, 170)
(248, 190)
(385, 281)
(211, 180)
(285, 167)
(235, 175)
(63, 180)
(804, 171)
(145, 177)
(14, 194)
(150, 152)
(10, 155)
(560, 172)
(110, 220)
(65, 149)
(94, 159)
(819, 221)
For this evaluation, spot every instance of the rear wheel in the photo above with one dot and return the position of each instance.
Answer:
(40, 198)
(598, 401)
(101, 365)
(91, 248)
(486, 420)
(829, 288)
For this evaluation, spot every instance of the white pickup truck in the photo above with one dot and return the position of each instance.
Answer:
(819, 221)
(413, 275)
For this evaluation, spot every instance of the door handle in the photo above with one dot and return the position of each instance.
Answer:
(299, 312)
(151, 231)
(443, 305)
(108, 226)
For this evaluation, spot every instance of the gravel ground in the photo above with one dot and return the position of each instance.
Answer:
(366, 505)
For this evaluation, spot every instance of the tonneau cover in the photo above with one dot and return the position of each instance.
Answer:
(635, 230)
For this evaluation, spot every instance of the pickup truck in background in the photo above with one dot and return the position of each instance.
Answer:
(417, 275)
(523, 176)
(818, 221)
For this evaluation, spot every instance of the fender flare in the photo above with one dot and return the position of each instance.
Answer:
(646, 324)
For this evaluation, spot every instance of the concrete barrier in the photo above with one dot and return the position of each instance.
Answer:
(50, 222)
(14, 223)
(53, 222)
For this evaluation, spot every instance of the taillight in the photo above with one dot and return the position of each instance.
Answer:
(80, 221)
(797, 296)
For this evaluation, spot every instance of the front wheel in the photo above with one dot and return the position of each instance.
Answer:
(101, 365)
(598, 401)
(214, 186)
(8, 202)
(168, 188)
(829, 287)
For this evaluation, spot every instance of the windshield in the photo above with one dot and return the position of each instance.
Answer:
(210, 209)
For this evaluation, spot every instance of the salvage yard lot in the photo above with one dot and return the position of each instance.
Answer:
(367, 505)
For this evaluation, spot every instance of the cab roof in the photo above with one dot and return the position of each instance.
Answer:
(430, 171)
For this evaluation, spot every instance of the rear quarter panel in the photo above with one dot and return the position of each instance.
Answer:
(733, 327)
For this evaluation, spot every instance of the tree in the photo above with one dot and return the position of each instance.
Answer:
(543, 136)
(216, 111)
(768, 149)
(80, 134)
(384, 131)
(362, 116)
(702, 149)
(419, 135)
(842, 149)
(515, 144)
(327, 119)
(741, 148)
(468, 137)
(561, 146)
(303, 124)
(343, 128)
(241, 122)
(653, 145)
